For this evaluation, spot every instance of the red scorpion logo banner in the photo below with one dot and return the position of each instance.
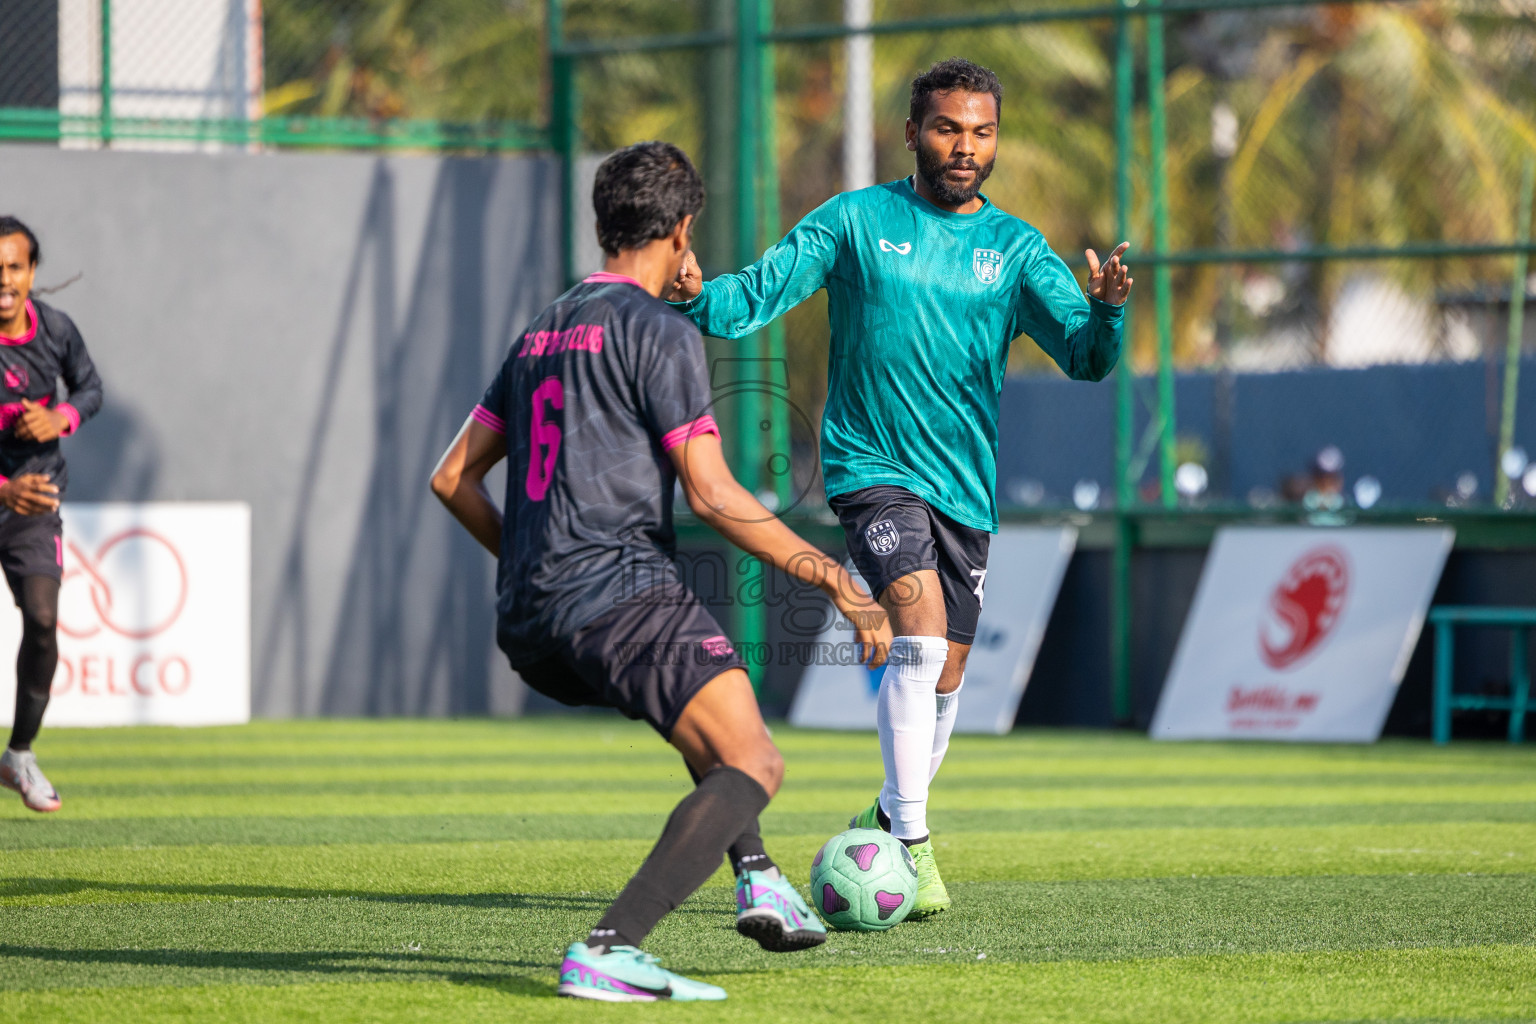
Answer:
(1305, 607)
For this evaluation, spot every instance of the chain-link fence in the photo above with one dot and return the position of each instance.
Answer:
(1305, 185)
(451, 74)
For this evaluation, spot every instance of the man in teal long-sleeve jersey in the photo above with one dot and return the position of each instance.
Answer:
(928, 284)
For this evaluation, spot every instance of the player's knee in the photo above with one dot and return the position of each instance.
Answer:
(763, 763)
(40, 621)
(954, 669)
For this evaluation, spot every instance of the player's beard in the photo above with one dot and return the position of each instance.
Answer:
(931, 167)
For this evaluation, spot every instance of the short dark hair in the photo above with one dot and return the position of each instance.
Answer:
(642, 192)
(11, 226)
(948, 75)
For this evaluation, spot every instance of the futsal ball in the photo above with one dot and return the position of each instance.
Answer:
(864, 880)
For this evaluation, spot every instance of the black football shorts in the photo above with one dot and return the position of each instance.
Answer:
(647, 658)
(31, 546)
(892, 533)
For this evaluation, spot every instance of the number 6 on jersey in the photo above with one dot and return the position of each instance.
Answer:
(543, 434)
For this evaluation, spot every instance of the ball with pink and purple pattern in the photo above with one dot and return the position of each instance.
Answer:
(863, 880)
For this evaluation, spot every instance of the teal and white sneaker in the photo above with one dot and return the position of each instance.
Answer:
(625, 975)
(770, 912)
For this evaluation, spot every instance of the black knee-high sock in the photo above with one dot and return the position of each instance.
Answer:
(37, 659)
(689, 850)
(747, 852)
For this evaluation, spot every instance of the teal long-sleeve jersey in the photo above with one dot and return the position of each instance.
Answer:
(924, 304)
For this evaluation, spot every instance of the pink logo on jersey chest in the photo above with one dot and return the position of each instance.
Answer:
(17, 378)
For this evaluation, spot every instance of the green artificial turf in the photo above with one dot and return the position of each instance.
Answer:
(383, 870)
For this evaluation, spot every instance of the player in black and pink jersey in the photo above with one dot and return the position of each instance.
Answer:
(39, 347)
(602, 405)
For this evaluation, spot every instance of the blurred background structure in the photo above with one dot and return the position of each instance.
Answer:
(1329, 206)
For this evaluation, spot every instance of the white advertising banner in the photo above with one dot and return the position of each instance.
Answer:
(1024, 570)
(1300, 634)
(154, 617)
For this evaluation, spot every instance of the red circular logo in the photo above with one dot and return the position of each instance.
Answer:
(120, 599)
(1305, 607)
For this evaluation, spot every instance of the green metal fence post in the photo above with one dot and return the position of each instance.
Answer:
(106, 72)
(778, 411)
(751, 622)
(1125, 397)
(1519, 682)
(1162, 273)
(562, 128)
(1445, 661)
(1516, 331)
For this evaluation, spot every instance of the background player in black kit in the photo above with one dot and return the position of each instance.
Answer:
(601, 406)
(39, 346)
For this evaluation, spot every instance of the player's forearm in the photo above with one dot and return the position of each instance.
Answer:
(1096, 344)
(736, 305)
(471, 505)
(84, 386)
(724, 310)
(731, 511)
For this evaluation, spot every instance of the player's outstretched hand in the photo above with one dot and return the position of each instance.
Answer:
(871, 625)
(30, 494)
(689, 281)
(1110, 281)
(39, 423)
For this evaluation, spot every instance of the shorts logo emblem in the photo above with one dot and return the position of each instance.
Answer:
(987, 263)
(717, 647)
(882, 537)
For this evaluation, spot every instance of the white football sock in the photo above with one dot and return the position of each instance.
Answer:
(906, 713)
(944, 724)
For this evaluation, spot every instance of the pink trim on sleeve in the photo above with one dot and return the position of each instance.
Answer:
(4, 480)
(688, 431)
(488, 419)
(73, 415)
(603, 277)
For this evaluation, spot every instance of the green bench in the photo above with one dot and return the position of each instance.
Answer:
(1445, 619)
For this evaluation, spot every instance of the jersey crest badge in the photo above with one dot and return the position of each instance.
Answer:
(882, 537)
(987, 263)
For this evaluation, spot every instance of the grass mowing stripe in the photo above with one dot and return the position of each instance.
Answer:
(791, 799)
(100, 875)
(54, 832)
(284, 940)
(1477, 985)
(672, 779)
(580, 739)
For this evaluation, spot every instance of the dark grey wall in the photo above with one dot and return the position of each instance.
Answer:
(305, 333)
(1415, 428)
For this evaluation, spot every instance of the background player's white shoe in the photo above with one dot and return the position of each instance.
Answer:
(19, 771)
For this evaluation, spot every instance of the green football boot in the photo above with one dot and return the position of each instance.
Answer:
(932, 897)
(869, 817)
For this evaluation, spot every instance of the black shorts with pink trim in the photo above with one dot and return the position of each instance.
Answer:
(31, 546)
(647, 658)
